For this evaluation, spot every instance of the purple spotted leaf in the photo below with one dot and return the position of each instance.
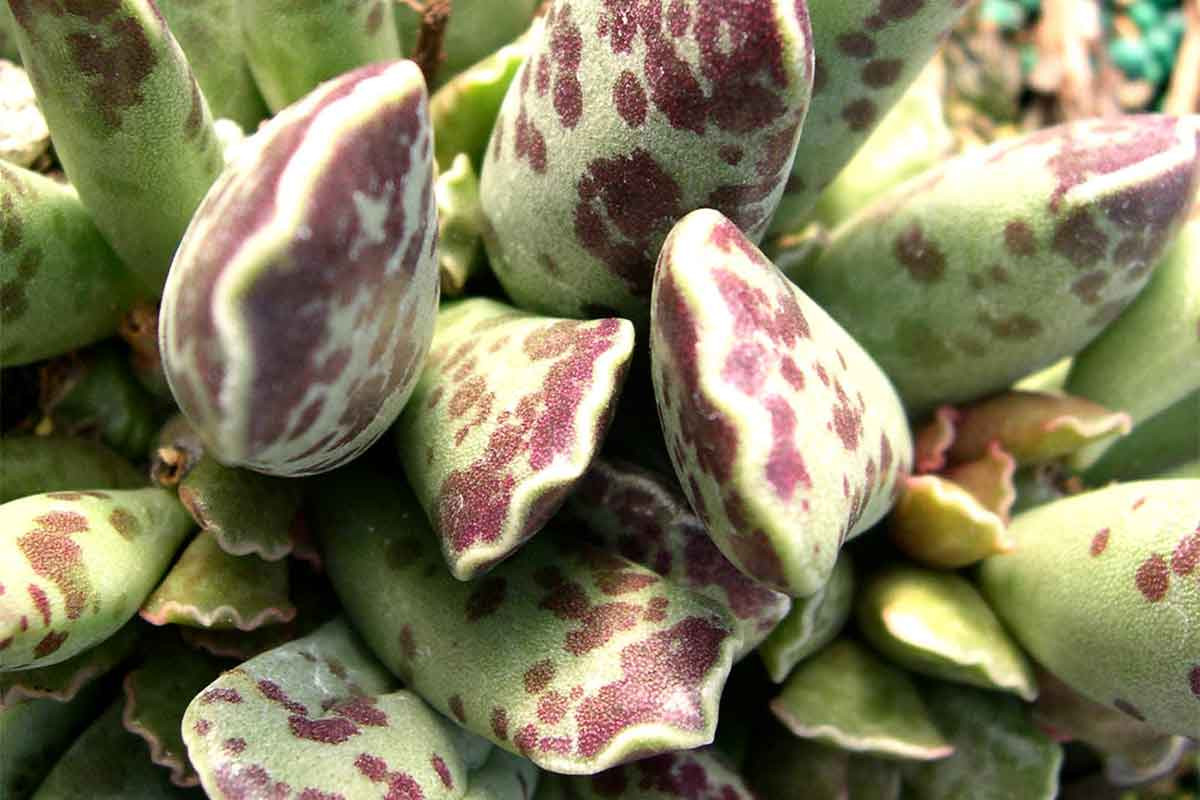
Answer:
(210, 588)
(460, 225)
(63, 681)
(989, 479)
(940, 524)
(701, 774)
(1098, 588)
(35, 733)
(246, 513)
(75, 566)
(687, 105)
(477, 28)
(36, 464)
(786, 437)
(782, 762)
(813, 623)
(1155, 343)
(503, 776)
(293, 45)
(600, 660)
(301, 303)
(321, 717)
(130, 126)
(640, 515)
(998, 752)
(878, 710)
(937, 624)
(157, 693)
(54, 265)
(1049, 260)
(509, 411)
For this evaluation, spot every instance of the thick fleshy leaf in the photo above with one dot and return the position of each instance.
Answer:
(1098, 589)
(1049, 260)
(156, 695)
(932, 442)
(35, 464)
(937, 624)
(699, 774)
(293, 45)
(24, 135)
(460, 225)
(509, 411)
(786, 437)
(503, 776)
(867, 54)
(176, 452)
(989, 479)
(783, 766)
(878, 710)
(75, 566)
(476, 29)
(319, 716)
(813, 623)
(34, 735)
(54, 265)
(1155, 343)
(998, 753)
(326, 212)
(600, 660)
(130, 126)
(1048, 380)
(1035, 486)
(247, 513)
(63, 681)
(240, 645)
(939, 523)
(1166, 440)
(640, 515)
(698, 104)
(209, 588)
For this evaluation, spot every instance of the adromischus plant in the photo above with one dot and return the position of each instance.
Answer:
(537, 617)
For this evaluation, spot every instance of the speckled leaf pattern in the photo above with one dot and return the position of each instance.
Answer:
(129, 123)
(1049, 260)
(701, 774)
(867, 53)
(940, 524)
(937, 624)
(813, 622)
(35, 734)
(292, 46)
(54, 265)
(37, 464)
(302, 300)
(783, 765)
(209, 588)
(1165, 441)
(585, 633)
(477, 28)
(638, 514)
(75, 566)
(878, 710)
(319, 717)
(510, 409)
(998, 753)
(247, 513)
(620, 122)
(460, 225)
(503, 776)
(786, 437)
(61, 682)
(1099, 590)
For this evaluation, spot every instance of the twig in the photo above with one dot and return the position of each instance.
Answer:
(1183, 96)
(430, 50)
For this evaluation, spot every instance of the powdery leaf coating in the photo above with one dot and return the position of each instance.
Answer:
(293, 46)
(937, 624)
(36, 464)
(318, 718)
(54, 265)
(62, 682)
(35, 733)
(1099, 588)
(867, 54)
(302, 300)
(477, 29)
(961, 280)
(782, 762)
(460, 225)
(503, 776)
(509, 411)
(786, 437)
(247, 513)
(625, 117)
(878, 710)
(209, 588)
(998, 753)
(702, 774)
(601, 661)
(75, 566)
(640, 515)
(813, 623)
(130, 126)
(940, 524)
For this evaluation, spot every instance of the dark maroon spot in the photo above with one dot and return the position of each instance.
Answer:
(1099, 542)
(1019, 239)
(457, 709)
(499, 722)
(1194, 680)
(792, 373)
(856, 44)
(629, 98)
(486, 599)
(539, 676)
(920, 256)
(234, 746)
(1078, 160)
(275, 694)
(202, 727)
(1187, 554)
(552, 707)
(731, 154)
(1153, 578)
(859, 114)
(360, 710)
(1087, 287)
(41, 602)
(1078, 239)
(439, 766)
(49, 643)
(746, 367)
(882, 72)
(400, 785)
(566, 47)
(847, 420)
(1129, 708)
(221, 695)
(1014, 326)
(785, 466)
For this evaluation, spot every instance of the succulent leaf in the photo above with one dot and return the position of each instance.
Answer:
(61, 682)
(940, 524)
(301, 302)
(782, 763)
(1156, 445)
(460, 225)
(509, 410)
(1050, 259)
(476, 29)
(1098, 588)
(618, 124)
(813, 622)
(36, 464)
(75, 566)
(503, 776)
(601, 660)
(35, 734)
(247, 513)
(700, 774)
(989, 479)
(786, 437)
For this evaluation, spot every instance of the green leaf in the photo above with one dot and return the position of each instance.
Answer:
(782, 764)
(813, 623)
(35, 464)
(940, 524)
(460, 225)
(61, 682)
(699, 774)
(35, 733)
(477, 28)
(246, 513)
(1165, 441)
(503, 777)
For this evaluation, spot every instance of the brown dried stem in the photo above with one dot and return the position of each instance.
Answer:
(430, 50)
